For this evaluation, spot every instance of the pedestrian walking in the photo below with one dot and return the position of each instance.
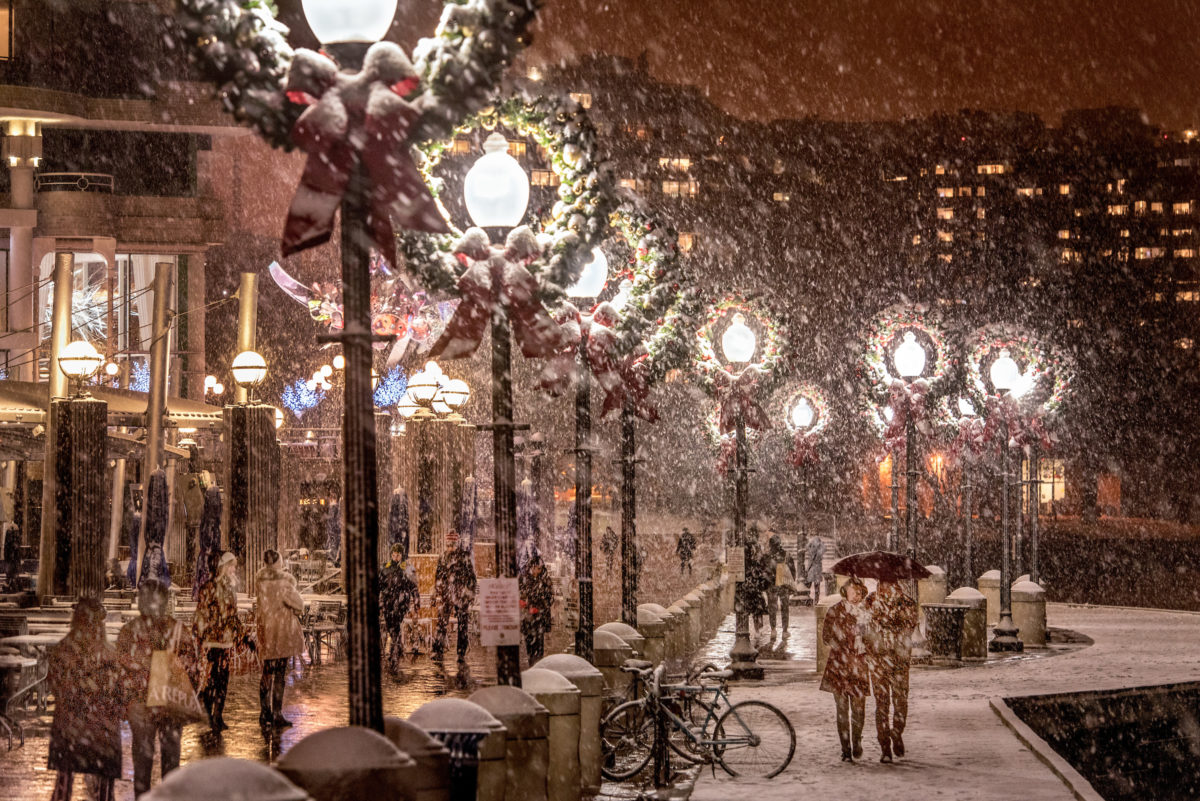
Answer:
(781, 572)
(814, 566)
(608, 544)
(398, 595)
(754, 587)
(153, 630)
(537, 597)
(454, 588)
(218, 629)
(685, 546)
(280, 637)
(893, 618)
(91, 690)
(847, 674)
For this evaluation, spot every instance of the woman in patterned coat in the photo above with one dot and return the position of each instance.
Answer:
(847, 673)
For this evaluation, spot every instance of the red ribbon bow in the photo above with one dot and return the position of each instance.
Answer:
(971, 441)
(496, 276)
(352, 119)
(736, 396)
(634, 388)
(804, 450)
(727, 455)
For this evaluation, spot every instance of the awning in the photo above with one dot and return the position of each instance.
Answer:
(26, 402)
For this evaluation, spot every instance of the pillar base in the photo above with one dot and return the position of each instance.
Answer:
(1004, 638)
(743, 658)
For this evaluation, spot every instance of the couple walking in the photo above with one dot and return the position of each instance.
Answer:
(870, 650)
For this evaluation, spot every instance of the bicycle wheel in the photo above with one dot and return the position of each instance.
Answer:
(753, 738)
(626, 741)
(696, 714)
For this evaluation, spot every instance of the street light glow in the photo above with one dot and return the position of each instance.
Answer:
(349, 20)
(339, 362)
(593, 278)
(249, 368)
(738, 341)
(456, 393)
(910, 357)
(496, 189)
(803, 414)
(1004, 372)
(79, 360)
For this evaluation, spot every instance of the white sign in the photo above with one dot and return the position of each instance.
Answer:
(499, 611)
(735, 558)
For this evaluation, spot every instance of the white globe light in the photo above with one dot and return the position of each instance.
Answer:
(456, 393)
(218, 388)
(1004, 372)
(249, 369)
(738, 341)
(624, 290)
(593, 278)
(312, 385)
(339, 362)
(910, 357)
(79, 359)
(803, 414)
(278, 418)
(433, 368)
(210, 381)
(112, 368)
(496, 189)
(407, 406)
(326, 370)
(423, 387)
(439, 404)
(349, 20)
(966, 408)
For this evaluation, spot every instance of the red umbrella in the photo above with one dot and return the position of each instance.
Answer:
(881, 565)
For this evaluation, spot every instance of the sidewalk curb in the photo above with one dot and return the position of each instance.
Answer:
(1080, 787)
(1080, 605)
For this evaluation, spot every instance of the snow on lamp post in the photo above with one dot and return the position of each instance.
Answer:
(910, 358)
(1005, 374)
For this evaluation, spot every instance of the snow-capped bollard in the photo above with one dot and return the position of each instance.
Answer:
(974, 628)
(477, 744)
(695, 610)
(707, 607)
(1029, 613)
(223, 778)
(610, 652)
(627, 633)
(590, 682)
(932, 590)
(527, 752)
(654, 629)
(989, 585)
(348, 763)
(678, 644)
(823, 607)
(561, 699)
(431, 779)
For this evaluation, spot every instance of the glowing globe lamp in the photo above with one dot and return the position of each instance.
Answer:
(910, 357)
(249, 369)
(738, 341)
(423, 388)
(496, 189)
(803, 415)
(407, 407)
(1004, 372)
(593, 278)
(456, 393)
(349, 20)
(79, 360)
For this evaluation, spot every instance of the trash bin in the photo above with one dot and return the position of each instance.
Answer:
(432, 776)
(989, 585)
(477, 743)
(528, 725)
(943, 631)
(222, 778)
(347, 763)
(590, 682)
(561, 699)
(1029, 613)
(610, 653)
(974, 628)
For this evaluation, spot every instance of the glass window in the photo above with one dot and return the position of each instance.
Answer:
(1182, 208)
(1185, 253)
(1064, 189)
(945, 191)
(543, 178)
(1025, 191)
(4, 299)
(461, 147)
(945, 236)
(990, 169)
(781, 197)
(516, 149)
(1139, 207)
(1064, 233)
(6, 33)
(1157, 208)
(687, 241)
(945, 214)
(1119, 210)
(582, 98)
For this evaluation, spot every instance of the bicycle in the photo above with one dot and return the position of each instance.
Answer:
(744, 738)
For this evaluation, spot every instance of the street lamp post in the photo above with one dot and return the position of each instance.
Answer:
(347, 29)
(496, 191)
(1004, 375)
(910, 363)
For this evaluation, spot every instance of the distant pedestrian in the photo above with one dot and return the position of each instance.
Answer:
(154, 630)
(91, 690)
(454, 588)
(608, 544)
(781, 572)
(280, 636)
(847, 674)
(753, 588)
(894, 618)
(685, 547)
(219, 630)
(537, 597)
(814, 566)
(398, 597)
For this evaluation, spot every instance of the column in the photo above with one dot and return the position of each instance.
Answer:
(254, 480)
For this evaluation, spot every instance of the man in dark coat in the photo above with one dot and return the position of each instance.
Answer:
(537, 596)
(398, 595)
(893, 618)
(847, 674)
(753, 589)
(779, 591)
(454, 589)
(685, 546)
(608, 544)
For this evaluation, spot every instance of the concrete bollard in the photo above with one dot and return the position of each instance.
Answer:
(975, 630)
(989, 585)
(708, 608)
(652, 626)
(823, 607)
(458, 722)
(590, 682)
(610, 653)
(527, 753)
(561, 699)
(629, 634)
(223, 778)
(695, 612)
(347, 763)
(932, 590)
(680, 633)
(1029, 613)
(432, 775)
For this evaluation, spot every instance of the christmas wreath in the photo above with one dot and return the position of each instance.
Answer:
(886, 332)
(1045, 377)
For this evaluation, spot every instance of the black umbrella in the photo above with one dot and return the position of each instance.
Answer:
(881, 565)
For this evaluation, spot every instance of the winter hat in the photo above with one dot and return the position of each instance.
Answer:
(854, 581)
(225, 559)
(452, 538)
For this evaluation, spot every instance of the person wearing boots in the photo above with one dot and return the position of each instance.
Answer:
(537, 596)
(398, 596)
(454, 588)
(781, 572)
(280, 636)
(893, 619)
(218, 629)
(847, 674)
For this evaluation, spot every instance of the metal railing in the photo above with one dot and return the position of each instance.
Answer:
(74, 182)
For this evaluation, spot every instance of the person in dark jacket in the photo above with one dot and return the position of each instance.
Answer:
(454, 589)
(754, 588)
(91, 690)
(219, 630)
(153, 630)
(398, 595)
(847, 674)
(781, 575)
(608, 544)
(894, 618)
(685, 547)
(537, 596)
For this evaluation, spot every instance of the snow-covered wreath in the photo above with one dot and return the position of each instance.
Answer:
(1045, 376)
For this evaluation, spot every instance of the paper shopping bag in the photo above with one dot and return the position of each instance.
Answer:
(170, 690)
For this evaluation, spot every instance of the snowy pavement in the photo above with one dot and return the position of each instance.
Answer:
(957, 745)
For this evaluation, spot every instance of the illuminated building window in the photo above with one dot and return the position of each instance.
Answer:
(939, 170)
(778, 197)
(461, 147)
(946, 257)
(582, 98)
(6, 32)
(516, 149)
(916, 240)
(1064, 189)
(945, 236)
(1190, 296)
(990, 169)
(1025, 191)
(1182, 208)
(964, 191)
(898, 178)
(680, 188)
(1064, 233)
(1185, 343)
(1157, 208)
(1182, 231)
(1182, 163)
(1148, 253)
(543, 178)
(980, 191)
(1121, 185)
(945, 191)
(681, 164)
(1069, 255)
(945, 214)
(1139, 207)
(687, 241)
(980, 213)
(636, 184)
(639, 132)
(1125, 232)
(1185, 253)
